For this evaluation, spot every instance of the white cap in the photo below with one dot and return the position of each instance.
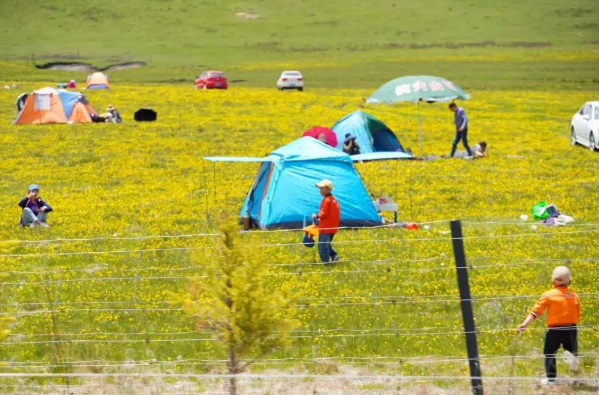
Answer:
(561, 276)
(325, 183)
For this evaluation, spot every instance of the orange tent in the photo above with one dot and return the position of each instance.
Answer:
(97, 81)
(49, 105)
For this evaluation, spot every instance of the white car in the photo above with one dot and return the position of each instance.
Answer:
(291, 80)
(584, 128)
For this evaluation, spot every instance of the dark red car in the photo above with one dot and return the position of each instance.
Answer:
(211, 80)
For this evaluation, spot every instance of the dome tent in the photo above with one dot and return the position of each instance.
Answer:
(49, 105)
(97, 81)
(283, 191)
(371, 134)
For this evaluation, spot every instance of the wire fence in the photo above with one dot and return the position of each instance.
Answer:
(86, 336)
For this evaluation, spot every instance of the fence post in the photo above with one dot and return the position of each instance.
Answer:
(466, 304)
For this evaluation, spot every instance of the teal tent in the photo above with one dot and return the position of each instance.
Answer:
(283, 192)
(371, 134)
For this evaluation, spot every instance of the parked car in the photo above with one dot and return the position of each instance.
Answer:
(584, 128)
(211, 80)
(291, 80)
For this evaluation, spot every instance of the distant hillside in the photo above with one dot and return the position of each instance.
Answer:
(272, 33)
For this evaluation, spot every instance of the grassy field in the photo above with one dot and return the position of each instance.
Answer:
(98, 304)
(389, 307)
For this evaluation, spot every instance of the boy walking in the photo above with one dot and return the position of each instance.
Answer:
(563, 314)
(328, 222)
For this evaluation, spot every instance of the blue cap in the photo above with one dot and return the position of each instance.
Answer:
(34, 186)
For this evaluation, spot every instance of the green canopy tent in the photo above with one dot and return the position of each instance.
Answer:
(415, 89)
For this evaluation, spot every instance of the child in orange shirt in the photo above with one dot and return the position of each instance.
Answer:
(563, 314)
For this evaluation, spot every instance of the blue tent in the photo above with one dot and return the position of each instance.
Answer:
(283, 192)
(69, 99)
(371, 134)
(69, 107)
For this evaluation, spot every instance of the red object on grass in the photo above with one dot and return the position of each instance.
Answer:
(411, 226)
(316, 131)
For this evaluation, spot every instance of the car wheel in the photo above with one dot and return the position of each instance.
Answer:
(300, 89)
(573, 137)
(280, 89)
(592, 142)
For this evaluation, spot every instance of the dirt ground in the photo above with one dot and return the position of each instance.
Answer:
(284, 386)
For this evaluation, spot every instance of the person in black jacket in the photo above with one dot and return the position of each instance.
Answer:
(350, 146)
(35, 209)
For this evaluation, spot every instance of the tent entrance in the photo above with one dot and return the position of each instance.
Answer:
(385, 140)
(258, 192)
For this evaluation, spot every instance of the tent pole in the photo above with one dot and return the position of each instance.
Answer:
(410, 190)
(420, 128)
(396, 194)
(214, 185)
(205, 189)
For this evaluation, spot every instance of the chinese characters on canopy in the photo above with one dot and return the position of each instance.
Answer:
(418, 86)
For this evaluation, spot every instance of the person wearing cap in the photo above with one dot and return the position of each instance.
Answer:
(328, 222)
(350, 146)
(563, 315)
(115, 116)
(35, 210)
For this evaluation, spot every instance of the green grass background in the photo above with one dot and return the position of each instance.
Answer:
(483, 46)
(480, 44)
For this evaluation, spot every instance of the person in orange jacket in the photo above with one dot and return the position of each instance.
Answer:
(563, 314)
(328, 222)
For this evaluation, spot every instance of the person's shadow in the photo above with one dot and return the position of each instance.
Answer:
(585, 387)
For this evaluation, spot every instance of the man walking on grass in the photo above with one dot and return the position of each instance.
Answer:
(328, 222)
(461, 128)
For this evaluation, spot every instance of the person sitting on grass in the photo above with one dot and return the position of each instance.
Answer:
(563, 315)
(35, 209)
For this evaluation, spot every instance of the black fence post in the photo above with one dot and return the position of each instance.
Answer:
(466, 304)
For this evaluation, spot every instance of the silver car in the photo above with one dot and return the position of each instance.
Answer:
(584, 128)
